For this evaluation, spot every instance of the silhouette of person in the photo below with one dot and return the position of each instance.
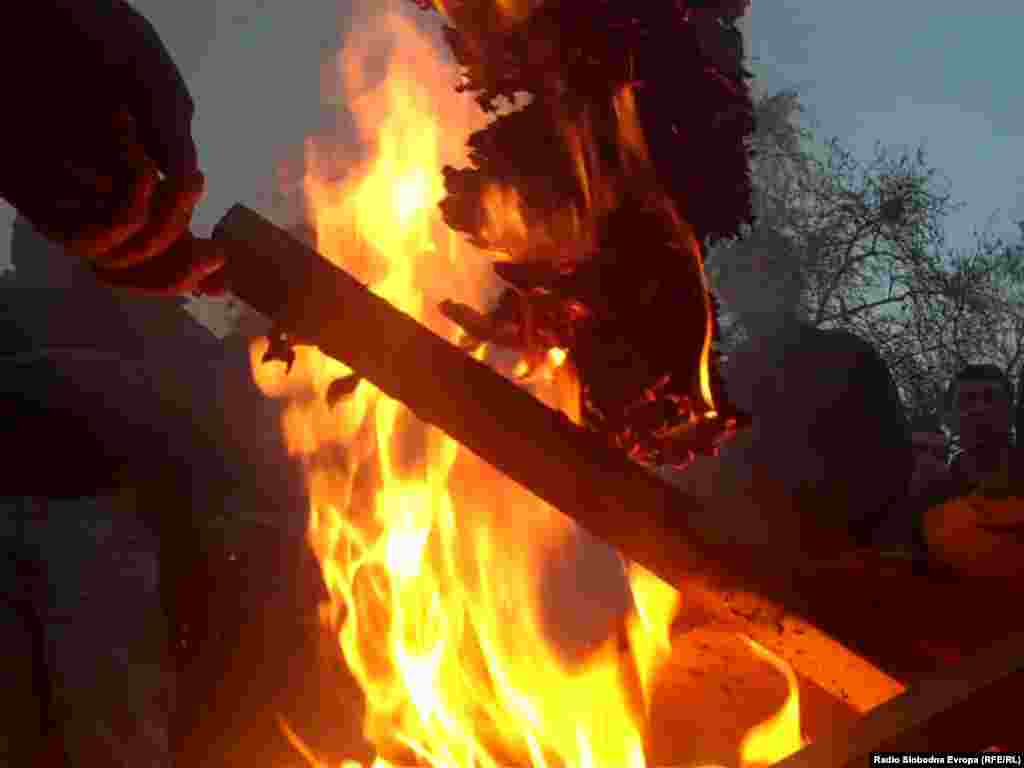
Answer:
(829, 450)
(132, 427)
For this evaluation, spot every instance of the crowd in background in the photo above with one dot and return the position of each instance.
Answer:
(832, 462)
(962, 509)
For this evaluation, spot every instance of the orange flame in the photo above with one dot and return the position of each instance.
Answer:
(434, 561)
(779, 736)
(504, 219)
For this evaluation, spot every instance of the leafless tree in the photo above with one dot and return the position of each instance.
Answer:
(868, 241)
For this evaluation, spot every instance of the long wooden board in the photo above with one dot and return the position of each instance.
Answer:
(641, 515)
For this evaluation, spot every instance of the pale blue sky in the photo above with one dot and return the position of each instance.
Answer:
(898, 71)
(902, 71)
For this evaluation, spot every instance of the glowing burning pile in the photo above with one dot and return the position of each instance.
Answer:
(433, 560)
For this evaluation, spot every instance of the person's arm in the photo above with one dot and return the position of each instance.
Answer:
(97, 145)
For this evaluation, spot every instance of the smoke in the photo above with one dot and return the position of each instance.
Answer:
(760, 276)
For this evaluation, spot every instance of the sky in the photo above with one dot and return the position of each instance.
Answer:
(940, 72)
(867, 70)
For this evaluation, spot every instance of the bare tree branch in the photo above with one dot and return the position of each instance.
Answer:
(870, 241)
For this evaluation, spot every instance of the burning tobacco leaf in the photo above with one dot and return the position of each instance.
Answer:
(631, 152)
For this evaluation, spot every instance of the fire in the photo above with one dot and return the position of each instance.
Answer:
(434, 561)
(778, 737)
(505, 223)
(650, 626)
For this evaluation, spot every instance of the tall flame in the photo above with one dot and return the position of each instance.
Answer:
(434, 562)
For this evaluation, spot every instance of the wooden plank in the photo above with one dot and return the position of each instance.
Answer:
(645, 518)
(971, 706)
(713, 689)
(810, 650)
